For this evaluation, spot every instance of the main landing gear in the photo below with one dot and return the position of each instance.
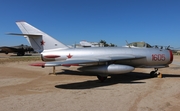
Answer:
(155, 74)
(101, 78)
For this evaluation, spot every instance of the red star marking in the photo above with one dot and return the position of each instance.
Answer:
(69, 56)
(42, 42)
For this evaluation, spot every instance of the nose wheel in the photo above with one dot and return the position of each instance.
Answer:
(155, 74)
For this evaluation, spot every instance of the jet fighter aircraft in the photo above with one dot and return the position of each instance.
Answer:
(101, 60)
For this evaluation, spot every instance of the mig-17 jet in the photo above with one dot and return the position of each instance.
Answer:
(100, 60)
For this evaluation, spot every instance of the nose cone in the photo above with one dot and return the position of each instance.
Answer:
(171, 56)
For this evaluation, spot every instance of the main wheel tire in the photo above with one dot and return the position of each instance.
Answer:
(20, 53)
(101, 78)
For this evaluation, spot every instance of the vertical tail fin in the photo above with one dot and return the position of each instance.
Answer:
(39, 40)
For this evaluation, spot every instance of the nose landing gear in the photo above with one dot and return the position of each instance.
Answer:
(155, 74)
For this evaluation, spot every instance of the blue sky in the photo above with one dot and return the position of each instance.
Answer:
(115, 21)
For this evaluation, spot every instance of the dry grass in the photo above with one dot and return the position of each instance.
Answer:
(19, 59)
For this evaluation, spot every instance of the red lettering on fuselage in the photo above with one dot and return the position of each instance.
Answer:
(158, 57)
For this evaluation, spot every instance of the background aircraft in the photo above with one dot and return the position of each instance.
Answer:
(85, 44)
(176, 51)
(20, 49)
(101, 60)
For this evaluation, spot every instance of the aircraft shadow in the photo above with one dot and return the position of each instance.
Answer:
(129, 78)
(79, 73)
(170, 75)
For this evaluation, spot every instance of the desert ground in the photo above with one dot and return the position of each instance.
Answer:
(27, 88)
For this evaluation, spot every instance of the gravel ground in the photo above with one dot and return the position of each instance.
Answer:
(25, 88)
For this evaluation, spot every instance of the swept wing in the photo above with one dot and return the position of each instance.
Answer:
(87, 60)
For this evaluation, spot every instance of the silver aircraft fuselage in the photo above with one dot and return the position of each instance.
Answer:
(147, 56)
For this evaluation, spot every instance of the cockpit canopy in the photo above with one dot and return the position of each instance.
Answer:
(139, 45)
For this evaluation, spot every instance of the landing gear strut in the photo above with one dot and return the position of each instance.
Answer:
(155, 74)
(54, 71)
(102, 78)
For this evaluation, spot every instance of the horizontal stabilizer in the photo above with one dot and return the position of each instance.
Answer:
(34, 35)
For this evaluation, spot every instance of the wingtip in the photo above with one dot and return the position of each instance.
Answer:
(38, 64)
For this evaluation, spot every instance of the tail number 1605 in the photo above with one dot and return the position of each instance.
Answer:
(158, 57)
